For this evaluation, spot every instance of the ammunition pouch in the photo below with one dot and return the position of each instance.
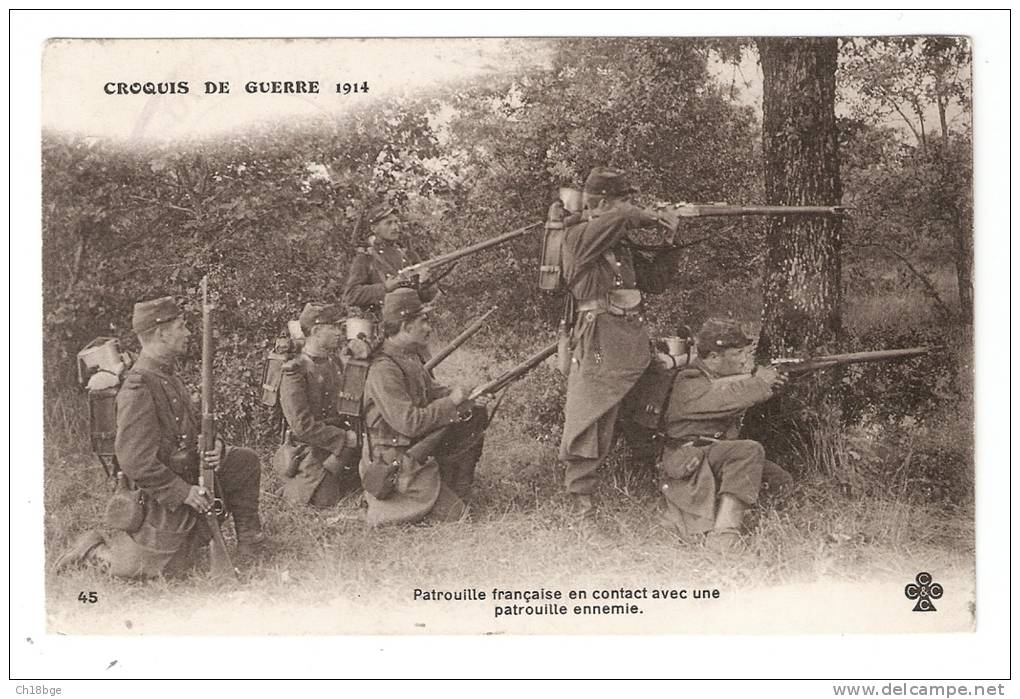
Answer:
(345, 462)
(379, 478)
(623, 301)
(126, 509)
(285, 460)
(683, 462)
(618, 302)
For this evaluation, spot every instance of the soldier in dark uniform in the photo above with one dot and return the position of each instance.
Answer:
(404, 404)
(610, 346)
(373, 270)
(156, 446)
(710, 476)
(320, 464)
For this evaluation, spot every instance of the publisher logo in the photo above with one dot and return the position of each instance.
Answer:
(924, 591)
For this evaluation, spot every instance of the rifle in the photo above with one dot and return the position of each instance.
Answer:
(428, 444)
(220, 564)
(794, 365)
(508, 377)
(685, 210)
(408, 274)
(468, 333)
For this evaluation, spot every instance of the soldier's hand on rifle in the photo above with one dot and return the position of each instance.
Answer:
(198, 499)
(214, 457)
(670, 220)
(458, 394)
(393, 283)
(775, 378)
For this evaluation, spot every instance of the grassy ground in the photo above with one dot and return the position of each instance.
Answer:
(519, 536)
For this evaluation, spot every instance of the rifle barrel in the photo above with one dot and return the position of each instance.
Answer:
(468, 333)
(696, 210)
(828, 360)
(469, 250)
(520, 370)
(208, 399)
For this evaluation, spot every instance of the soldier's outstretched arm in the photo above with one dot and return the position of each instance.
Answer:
(699, 398)
(388, 392)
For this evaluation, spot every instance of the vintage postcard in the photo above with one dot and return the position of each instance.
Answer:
(508, 336)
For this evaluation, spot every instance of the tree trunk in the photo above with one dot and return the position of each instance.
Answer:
(802, 281)
(964, 270)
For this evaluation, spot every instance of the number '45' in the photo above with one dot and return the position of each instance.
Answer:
(90, 597)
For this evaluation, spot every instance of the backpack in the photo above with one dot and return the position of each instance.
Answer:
(101, 369)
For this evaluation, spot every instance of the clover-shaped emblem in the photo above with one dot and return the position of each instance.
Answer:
(924, 591)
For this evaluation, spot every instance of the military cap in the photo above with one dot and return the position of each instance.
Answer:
(719, 334)
(320, 314)
(604, 180)
(378, 213)
(403, 304)
(149, 314)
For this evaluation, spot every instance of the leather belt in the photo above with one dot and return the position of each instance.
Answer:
(697, 441)
(597, 306)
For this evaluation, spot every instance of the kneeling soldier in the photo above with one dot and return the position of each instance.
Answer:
(156, 447)
(319, 459)
(405, 410)
(710, 477)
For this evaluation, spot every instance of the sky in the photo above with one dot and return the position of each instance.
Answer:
(78, 73)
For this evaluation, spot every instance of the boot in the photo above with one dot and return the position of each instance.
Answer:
(729, 519)
(582, 507)
(84, 550)
(251, 540)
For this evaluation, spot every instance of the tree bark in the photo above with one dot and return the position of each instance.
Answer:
(802, 280)
(964, 270)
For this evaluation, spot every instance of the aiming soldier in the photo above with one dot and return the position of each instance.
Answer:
(157, 450)
(423, 439)
(710, 476)
(318, 458)
(374, 269)
(610, 348)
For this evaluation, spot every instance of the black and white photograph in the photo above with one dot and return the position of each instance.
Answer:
(667, 333)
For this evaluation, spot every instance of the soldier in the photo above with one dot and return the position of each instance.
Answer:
(156, 447)
(372, 273)
(610, 346)
(403, 406)
(710, 477)
(318, 460)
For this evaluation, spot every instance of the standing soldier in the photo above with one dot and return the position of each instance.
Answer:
(709, 476)
(404, 410)
(318, 459)
(156, 447)
(373, 271)
(610, 346)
